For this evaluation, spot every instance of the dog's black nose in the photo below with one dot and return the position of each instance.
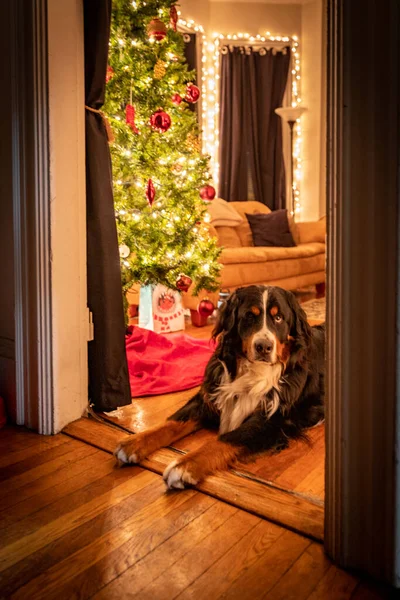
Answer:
(264, 347)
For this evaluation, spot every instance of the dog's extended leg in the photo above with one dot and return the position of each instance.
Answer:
(186, 420)
(253, 436)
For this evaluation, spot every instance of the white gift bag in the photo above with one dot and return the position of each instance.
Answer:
(160, 309)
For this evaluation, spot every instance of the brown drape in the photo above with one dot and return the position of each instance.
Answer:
(108, 371)
(252, 86)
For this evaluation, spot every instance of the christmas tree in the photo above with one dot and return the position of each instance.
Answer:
(158, 168)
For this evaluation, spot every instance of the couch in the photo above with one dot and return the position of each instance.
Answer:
(244, 264)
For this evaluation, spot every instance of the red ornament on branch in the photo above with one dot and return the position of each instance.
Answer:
(173, 17)
(160, 121)
(150, 192)
(183, 282)
(192, 93)
(130, 117)
(207, 192)
(176, 99)
(206, 307)
(109, 73)
(156, 30)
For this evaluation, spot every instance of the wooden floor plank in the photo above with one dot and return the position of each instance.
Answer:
(219, 577)
(302, 577)
(335, 585)
(52, 447)
(142, 544)
(200, 558)
(10, 553)
(274, 504)
(20, 452)
(47, 462)
(142, 573)
(85, 534)
(48, 489)
(103, 484)
(66, 573)
(275, 561)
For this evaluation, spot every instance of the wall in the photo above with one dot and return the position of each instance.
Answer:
(313, 61)
(198, 10)
(7, 328)
(255, 18)
(306, 21)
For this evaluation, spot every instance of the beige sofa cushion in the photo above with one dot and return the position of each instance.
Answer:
(269, 253)
(242, 274)
(223, 214)
(312, 231)
(228, 237)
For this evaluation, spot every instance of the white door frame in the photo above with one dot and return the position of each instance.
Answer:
(361, 513)
(49, 200)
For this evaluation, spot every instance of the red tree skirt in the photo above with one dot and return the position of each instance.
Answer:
(160, 364)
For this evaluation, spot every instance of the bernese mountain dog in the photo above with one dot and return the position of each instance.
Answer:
(263, 386)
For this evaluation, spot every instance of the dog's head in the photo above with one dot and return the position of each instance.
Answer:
(264, 323)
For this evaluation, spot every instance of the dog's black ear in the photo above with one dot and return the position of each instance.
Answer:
(300, 330)
(227, 314)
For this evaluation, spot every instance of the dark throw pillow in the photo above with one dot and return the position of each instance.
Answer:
(271, 229)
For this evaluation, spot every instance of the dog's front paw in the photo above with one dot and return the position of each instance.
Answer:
(179, 475)
(129, 451)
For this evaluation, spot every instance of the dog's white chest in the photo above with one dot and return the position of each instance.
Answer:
(237, 399)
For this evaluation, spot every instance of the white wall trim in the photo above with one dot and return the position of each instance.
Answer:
(68, 209)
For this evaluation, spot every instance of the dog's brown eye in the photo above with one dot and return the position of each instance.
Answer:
(278, 318)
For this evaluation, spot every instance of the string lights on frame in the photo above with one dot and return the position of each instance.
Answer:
(211, 51)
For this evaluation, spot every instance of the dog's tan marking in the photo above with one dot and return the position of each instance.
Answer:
(283, 350)
(255, 310)
(247, 344)
(197, 465)
(137, 447)
(274, 311)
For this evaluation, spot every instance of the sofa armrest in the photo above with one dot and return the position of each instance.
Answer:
(311, 231)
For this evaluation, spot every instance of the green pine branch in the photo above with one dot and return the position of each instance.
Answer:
(169, 237)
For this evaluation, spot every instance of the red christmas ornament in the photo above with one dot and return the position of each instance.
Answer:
(183, 282)
(206, 307)
(156, 30)
(150, 192)
(109, 73)
(130, 117)
(176, 99)
(160, 121)
(192, 93)
(173, 17)
(207, 192)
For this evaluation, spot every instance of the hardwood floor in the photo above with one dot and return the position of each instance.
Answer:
(73, 525)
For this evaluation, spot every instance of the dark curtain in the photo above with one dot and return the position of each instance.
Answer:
(108, 371)
(190, 51)
(252, 86)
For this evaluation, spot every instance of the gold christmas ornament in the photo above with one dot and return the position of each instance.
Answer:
(159, 69)
(193, 142)
(177, 168)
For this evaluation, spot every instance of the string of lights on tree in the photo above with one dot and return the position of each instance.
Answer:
(161, 178)
(210, 94)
